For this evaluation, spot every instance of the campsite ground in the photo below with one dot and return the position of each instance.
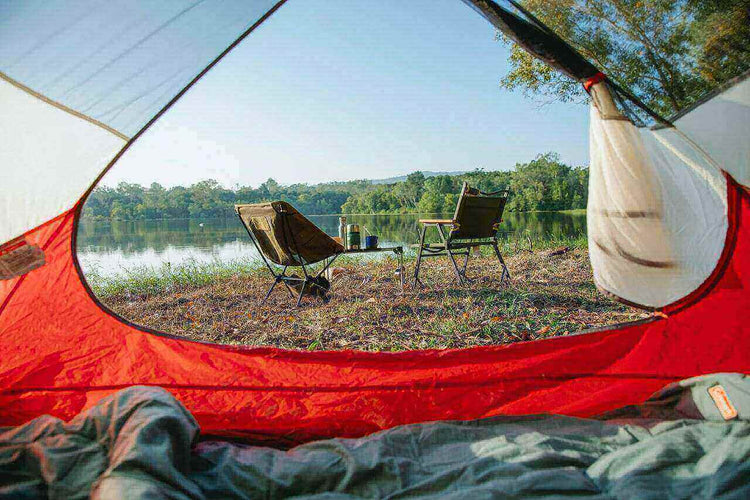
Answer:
(550, 294)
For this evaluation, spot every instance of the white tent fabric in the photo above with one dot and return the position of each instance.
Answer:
(117, 61)
(721, 126)
(54, 157)
(657, 210)
(85, 79)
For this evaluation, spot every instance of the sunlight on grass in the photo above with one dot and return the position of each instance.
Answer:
(551, 293)
(150, 280)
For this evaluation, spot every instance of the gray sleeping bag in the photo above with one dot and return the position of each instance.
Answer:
(142, 443)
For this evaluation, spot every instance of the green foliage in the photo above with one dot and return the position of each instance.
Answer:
(149, 280)
(410, 191)
(542, 184)
(721, 35)
(209, 199)
(438, 196)
(668, 52)
(548, 184)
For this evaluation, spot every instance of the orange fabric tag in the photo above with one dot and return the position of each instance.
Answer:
(721, 400)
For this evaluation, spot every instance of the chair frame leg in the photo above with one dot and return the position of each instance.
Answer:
(286, 285)
(466, 263)
(455, 267)
(289, 289)
(504, 269)
(268, 293)
(449, 251)
(401, 269)
(281, 277)
(417, 281)
(309, 280)
(301, 292)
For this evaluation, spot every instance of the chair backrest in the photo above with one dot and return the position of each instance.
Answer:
(478, 214)
(285, 236)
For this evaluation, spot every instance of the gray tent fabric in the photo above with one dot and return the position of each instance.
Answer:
(142, 443)
(118, 62)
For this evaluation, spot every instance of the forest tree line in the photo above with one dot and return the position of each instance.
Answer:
(544, 183)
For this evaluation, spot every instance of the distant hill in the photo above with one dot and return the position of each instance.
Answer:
(427, 173)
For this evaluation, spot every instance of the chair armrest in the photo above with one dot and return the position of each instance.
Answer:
(436, 221)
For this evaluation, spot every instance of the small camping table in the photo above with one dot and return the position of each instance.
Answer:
(398, 250)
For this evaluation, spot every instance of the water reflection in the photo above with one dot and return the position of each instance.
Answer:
(110, 247)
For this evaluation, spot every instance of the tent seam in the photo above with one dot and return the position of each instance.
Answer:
(734, 201)
(427, 386)
(62, 107)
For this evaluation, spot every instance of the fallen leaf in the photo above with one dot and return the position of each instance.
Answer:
(465, 315)
(544, 329)
(495, 319)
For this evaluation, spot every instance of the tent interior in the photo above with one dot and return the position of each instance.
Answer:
(668, 213)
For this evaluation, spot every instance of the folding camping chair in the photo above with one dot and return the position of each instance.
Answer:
(285, 237)
(474, 224)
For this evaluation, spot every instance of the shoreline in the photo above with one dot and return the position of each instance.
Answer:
(165, 277)
(573, 211)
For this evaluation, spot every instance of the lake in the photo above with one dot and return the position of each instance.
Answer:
(113, 247)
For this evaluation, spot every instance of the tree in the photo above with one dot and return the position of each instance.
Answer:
(270, 188)
(546, 183)
(410, 191)
(667, 52)
(178, 203)
(435, 191)
(209, 199)
(543, 184)
(721, 32)
(431, 202)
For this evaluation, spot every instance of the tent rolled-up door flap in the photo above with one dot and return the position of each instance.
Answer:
(669, 216)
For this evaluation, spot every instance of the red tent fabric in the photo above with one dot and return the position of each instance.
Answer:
(65, 124)
(61, 352)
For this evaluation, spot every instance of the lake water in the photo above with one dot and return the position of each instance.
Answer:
(113, 247)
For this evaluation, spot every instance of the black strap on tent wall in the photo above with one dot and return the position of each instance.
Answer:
(521, 26)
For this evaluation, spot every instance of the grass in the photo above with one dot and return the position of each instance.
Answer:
(146, 281)
(551, 294)
(573, 211)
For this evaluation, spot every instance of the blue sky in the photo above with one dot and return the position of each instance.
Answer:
(350, 89)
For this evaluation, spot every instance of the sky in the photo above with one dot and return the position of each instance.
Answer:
(349, 89)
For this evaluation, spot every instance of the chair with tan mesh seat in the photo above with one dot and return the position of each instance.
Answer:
(286, 238)
(475, 223)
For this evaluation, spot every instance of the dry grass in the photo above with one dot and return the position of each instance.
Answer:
(548, 296)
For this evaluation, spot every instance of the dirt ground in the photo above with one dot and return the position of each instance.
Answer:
(548, 295)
